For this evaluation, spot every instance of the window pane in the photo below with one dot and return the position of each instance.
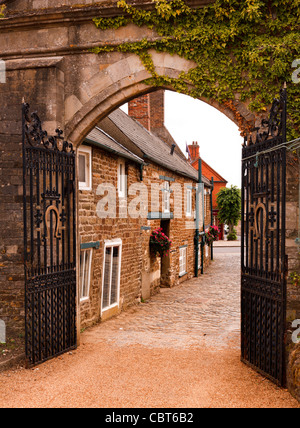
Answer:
(82, 257)
(167, 197)
(86, 281)
(82, 169)
(115, 276)
(182, 260)
(106, 279)
(188, 203)
(121, 178)
(85, 273)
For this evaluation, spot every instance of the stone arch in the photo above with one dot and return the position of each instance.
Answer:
(124, 80)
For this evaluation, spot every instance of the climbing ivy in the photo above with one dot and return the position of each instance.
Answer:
(243, 47)
(2, 8)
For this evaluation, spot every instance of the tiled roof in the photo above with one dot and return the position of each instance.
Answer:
(148, 145)
(99, 138)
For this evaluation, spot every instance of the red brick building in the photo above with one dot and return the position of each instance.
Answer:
(209, 173)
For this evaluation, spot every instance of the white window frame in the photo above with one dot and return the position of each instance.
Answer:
(188, 202)
(207, 251)
(87, 153)
(87, 255)
(182, 261)
(111, 244)
(166, 198)
(122, 181)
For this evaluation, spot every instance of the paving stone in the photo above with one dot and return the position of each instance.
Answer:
(204, 311)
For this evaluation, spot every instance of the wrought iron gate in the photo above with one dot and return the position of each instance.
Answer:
(49, 241)
(264, 262)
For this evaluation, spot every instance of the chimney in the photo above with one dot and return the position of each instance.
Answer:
(149, 110)
(194, 151)
(139, 109)
(157, 109)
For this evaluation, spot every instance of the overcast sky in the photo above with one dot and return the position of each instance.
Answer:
(219, 139)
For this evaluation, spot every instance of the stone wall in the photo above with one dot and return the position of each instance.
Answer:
(181, 228)
(33, 6)
(293, 374)
(292, 249)
(22, 81)
(93, 229)
(293, 287)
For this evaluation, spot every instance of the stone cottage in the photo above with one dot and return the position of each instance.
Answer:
(132, 183)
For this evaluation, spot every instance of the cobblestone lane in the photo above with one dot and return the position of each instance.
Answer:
(178, 350)
(204, 312)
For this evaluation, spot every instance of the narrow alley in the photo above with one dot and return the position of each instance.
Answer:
(180, 349)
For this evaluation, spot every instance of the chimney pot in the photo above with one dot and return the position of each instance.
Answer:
(194, 150)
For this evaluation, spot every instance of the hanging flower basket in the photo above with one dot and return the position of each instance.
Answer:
(211, 234)
(160, 244)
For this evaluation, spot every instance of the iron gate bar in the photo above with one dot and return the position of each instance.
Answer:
(263, 261)
(49, 241)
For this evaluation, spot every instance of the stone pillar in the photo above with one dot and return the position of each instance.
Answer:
(293, 285)
(40, 82)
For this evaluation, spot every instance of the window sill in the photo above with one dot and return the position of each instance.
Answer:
(115, 305)
(182, 274)
(86, 189)
(160, 216)
(110, 312)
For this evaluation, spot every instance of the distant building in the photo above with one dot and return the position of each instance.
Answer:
(209, 173)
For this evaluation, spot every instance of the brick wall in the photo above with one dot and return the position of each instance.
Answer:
(139, 108)
(149, 110)
(157, 109)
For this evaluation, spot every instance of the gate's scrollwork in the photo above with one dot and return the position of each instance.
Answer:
(264, 262)
(49, 241)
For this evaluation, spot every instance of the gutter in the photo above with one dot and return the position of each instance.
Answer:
(197, 236)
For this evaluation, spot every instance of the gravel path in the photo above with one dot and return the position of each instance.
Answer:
(180, 349)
